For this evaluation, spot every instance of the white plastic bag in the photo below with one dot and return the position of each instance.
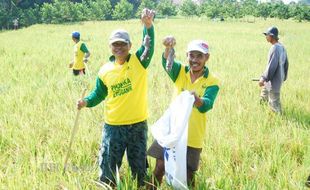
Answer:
(170, 131)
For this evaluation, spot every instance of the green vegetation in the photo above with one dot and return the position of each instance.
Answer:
(61, 11)
(246, 147)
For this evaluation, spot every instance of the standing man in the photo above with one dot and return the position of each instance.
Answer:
(81, 55)
(276, 71)
(197, 78)
(15, 23)
(122, 83)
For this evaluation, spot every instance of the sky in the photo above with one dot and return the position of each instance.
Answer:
(288, 1)
(285, 1)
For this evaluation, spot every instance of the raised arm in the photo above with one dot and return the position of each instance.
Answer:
(169, 42)
(146, 51)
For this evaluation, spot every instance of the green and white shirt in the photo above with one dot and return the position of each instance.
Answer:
(124, 87)
(206, 87)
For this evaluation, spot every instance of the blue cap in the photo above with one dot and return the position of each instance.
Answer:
(76, 34)
(272, 31)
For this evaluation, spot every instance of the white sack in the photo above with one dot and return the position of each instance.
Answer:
(171, 131)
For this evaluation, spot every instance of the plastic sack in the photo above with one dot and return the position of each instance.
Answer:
(171, 132)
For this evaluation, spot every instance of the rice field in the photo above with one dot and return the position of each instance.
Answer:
(246, 146)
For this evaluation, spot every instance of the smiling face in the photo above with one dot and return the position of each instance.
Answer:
(197, 60)
(120, 50)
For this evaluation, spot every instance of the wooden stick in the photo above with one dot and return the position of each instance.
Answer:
(73, 132)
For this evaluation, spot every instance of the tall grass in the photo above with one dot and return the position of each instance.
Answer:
(246, 146)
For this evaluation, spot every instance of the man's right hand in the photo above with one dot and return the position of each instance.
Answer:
(169, 42)
(81, 104)
(70, 65)
(261, 82)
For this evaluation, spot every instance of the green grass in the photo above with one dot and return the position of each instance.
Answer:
(246, 147)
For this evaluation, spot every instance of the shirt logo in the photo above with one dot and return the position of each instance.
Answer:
(121, 88)
(204, 86)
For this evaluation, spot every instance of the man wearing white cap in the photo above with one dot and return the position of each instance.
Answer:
(122, 83)
(197, 78)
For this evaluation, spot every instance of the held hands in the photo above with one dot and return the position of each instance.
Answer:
(147, 17)
(81, 104)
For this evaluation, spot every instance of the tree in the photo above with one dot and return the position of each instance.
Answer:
(188, 8)
(264, 10)
(280, 10)
(249, 7)
(8, 12)
(166, 8)
(26, 4)
(300, 12)
(100, 9)
(47, 12)
(123, 10)
(211, 8)
(30, 16)
(150, 4)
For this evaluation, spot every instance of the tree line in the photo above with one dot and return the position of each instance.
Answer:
(30, 12)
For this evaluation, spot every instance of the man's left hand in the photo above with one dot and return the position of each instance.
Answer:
(198, 101)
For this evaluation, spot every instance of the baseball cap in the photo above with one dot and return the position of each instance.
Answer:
(198, 45)
(75, 34)
(119, 36)
(272, 31)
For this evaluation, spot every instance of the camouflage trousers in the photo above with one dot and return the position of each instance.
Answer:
(116, 139)
(273, 99)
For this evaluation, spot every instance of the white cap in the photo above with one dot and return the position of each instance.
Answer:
(198, 45)
(119, 36)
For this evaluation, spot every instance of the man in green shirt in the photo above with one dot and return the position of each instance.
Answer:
(122, 83)
(194, 77)
(81, 55)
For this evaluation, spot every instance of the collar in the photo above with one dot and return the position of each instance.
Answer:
(206, 71)
(112, 58)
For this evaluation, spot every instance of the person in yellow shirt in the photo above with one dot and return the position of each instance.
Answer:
(194, 77)
(122, 83)
(81, 55)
